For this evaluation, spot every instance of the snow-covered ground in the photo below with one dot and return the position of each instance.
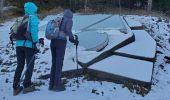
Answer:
(89, 90)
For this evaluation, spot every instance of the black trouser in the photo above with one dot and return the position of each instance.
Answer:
(58, 47)
(23, 53)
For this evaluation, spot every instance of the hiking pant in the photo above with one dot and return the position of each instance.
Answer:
(58, 47)
(23, 53)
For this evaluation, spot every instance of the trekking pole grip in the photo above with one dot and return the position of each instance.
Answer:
(76, 39)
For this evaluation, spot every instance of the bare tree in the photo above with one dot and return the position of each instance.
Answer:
(149, 8)
(1, 7)
(85, 6)
(120, 7)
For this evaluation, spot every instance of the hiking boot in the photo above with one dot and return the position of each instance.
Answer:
(29, 89)
(59, 88)
(17, 91)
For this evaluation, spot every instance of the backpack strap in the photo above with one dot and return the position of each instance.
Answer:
(61, 22)
(27, 27)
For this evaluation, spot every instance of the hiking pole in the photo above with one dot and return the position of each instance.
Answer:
(76, 38)
(32, 59)
(41, 41)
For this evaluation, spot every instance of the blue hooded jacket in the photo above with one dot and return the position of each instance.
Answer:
(31, 10)
(67, 24)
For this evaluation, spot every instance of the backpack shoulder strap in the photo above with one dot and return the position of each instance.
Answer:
(28, 25)
(61, 21)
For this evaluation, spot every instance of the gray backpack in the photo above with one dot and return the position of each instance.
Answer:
(53, 28)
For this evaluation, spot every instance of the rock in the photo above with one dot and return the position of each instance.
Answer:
(47, 68)
(44, 77)
(5, 70)
(97, 93)
(6, 52)
(167, 57)
(7, 80)
(35, 70)
(13, 70)
(160, 37)
(1, 61)
(157, 40)
(159, 20)
(159, 45)
(166, 21)
(159, 52)
(38, 71)
(44, 62)
(168, 61)
(93, 91)
(13, 56)
(46, 49)
(161, 66)
(168, 26)
(102, 93)
(169, 41)
(114, 88)
(40, 83)
(101, 83)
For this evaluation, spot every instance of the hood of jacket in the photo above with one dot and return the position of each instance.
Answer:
(30, 8)
(68, 14)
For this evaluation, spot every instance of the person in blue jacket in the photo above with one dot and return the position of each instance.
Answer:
(58, 46)
(25, 50)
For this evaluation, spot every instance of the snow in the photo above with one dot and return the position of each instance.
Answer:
(139, 47)
(133, 23)
(4, 31)
(161, 76)
(126, 67)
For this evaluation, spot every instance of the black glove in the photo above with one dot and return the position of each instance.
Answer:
(36, 47)
(75, 41)
(41, 41)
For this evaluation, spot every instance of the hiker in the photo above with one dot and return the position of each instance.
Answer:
(58, 46)
(25, 50)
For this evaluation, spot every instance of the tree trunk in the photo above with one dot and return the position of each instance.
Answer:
(120, 7)
(85, 6)
(1, 7)
(149, 8)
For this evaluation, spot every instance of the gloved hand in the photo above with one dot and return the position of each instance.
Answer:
(36, 47)
(75, 41)
(41, 41)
